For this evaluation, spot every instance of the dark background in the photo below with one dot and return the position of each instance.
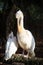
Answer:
(33, 20)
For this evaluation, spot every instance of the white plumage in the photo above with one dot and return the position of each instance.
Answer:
(11, 46)
(25, 37)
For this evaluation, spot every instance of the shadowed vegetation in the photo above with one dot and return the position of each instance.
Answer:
(33, 20)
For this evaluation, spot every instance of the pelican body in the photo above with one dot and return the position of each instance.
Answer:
(11, 46)
(25, 37)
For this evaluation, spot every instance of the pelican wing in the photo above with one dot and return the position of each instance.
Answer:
(25, 39)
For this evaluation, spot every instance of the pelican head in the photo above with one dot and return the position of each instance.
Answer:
(19, 14)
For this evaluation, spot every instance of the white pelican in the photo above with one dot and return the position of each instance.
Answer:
(11, 46)
(25, 37)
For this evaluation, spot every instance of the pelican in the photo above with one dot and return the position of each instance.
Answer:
(11, 46)
(25, 37)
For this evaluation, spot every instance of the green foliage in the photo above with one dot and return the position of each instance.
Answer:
(25, 61)
(34, 11)
(1, 6)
